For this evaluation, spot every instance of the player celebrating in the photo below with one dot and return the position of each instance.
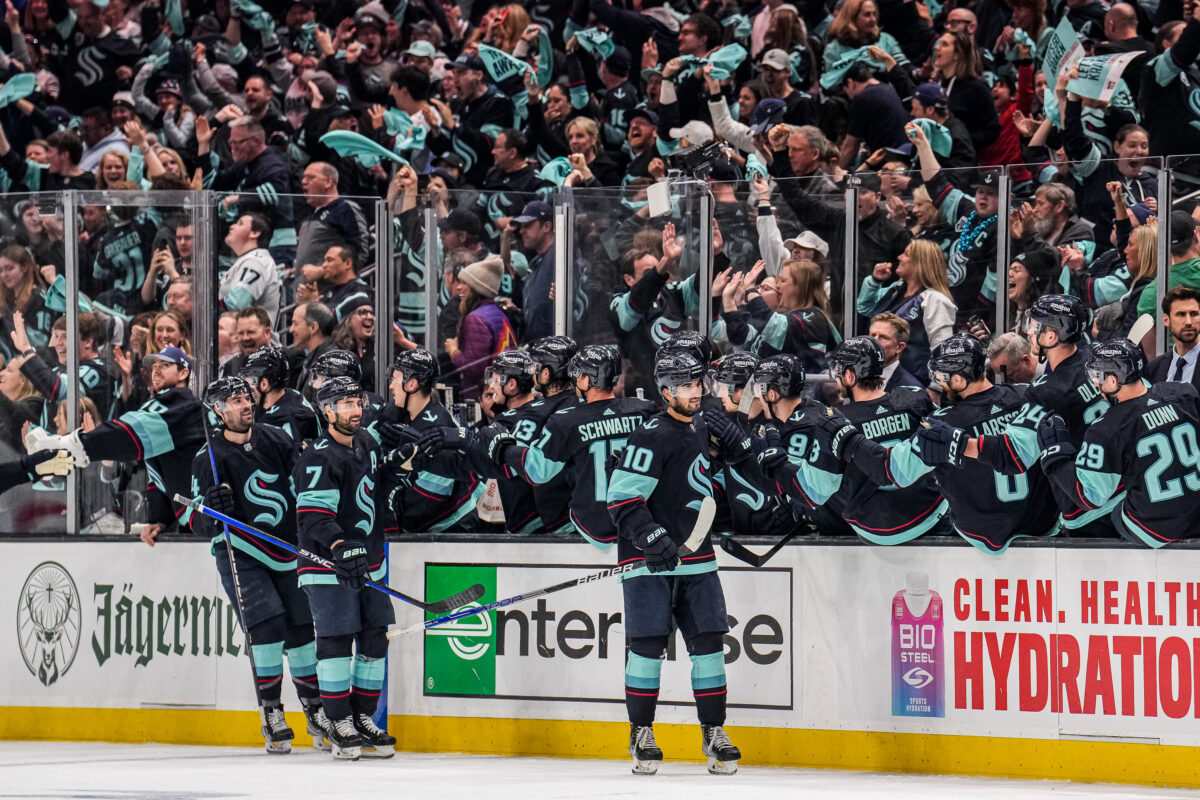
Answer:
(510, 381)
(337, 478)
(335, 364)
(258, 460)
(1138, 462)
(266, 371)
(654, 508)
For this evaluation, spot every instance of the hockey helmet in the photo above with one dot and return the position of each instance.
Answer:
(1063, 312)
(553, 353)
(335, 390)
(601, 363)
(220, 390)
(961, 354)
(336, 363)
(675, 368)
(692, 342)
(268, 362)
(512, 365)
(862, 355)
(417, 364)
(1119, 357)
(784, 373)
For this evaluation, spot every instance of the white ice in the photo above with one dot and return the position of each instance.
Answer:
(38, 770)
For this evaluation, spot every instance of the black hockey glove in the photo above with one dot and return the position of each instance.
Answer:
(771, 460)
(662, 554)
(350, 563)
(391, 435)
(782, 520)
(1054, 442)
(220, 498)
(938, 443)
(730, 441)
(494, 440)
(843, 437)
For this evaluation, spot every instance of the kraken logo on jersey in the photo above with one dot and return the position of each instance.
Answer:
(698, 480)
(366, 504)
(754, 499)
(89, 71)
(662, 328)
(429, 416)
(257, 492)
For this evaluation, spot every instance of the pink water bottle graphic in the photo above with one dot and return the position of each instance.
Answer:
(918, 685)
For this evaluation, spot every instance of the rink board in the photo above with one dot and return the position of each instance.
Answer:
(1068, 663)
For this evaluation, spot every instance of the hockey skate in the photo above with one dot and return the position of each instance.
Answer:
(318, 726)
(646, 754)
(344, 739)
(275, 730)
(376, 743)
(722, 755)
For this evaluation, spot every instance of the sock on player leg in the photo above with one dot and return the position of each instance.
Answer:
(302, 664)
(267, 637)
(366, 680)
(334, 666)
(708, 687)
(643, 670)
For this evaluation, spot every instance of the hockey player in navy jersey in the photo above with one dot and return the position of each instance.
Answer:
(577, 441)
(337, 481)
(1139, 462)
(254, 463)
(987, 508)
(164, 433)
(266, 370)
(886, 515)
(510, 380)
(336, 364)
(1055, 325)
(655, 495)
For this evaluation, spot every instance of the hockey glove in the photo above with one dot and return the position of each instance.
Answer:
(1054, 442)
(350, 563)
(662, 554)
(494, 440)
(220, 498)
(939, 443)
(47, 462)
(391, 435)
(842, 436)
(772, 459)
(728, 438)
(782, 520)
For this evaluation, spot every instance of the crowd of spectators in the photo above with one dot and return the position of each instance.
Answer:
(300, 116)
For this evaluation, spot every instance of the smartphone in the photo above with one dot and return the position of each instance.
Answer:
(976, 322)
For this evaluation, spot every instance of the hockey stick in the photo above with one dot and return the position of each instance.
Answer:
(467, 595)
(1140, 328)
(739, 551)
(704, 520)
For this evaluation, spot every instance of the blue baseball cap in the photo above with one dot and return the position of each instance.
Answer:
(929, 93)
(767, 114)
(172, 355)
(535, 211)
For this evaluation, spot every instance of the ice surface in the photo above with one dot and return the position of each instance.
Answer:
(92, 771)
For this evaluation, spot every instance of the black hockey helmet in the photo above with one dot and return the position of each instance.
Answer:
(692, 342)
(961, 354)
(862, 355)
(336, 363)
(784, 373)
(268, 362)
(553, 353)
(419, 364)
(1119, 357)
(674, 368)
(601, 363)
(1063, 312)
(220, 390)
(512, 365)
(334, 390)
(736, 369)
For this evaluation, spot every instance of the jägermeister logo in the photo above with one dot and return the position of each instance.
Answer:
(48, 622)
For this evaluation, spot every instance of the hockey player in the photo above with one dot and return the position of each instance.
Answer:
(1137, 463)
(989, 509)
(510, 380)
(1055, 324)
(654, 497)
(336, 479)
(254, 463)
(885, 516)
(578, 440)
(34, 467)
(164, 433)
(335, 364)
(443, 493)
(266, 371)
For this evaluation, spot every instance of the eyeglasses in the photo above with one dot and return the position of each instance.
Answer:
(364, 312)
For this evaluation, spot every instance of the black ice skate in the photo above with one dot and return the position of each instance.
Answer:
(646, 755)
(722, 755)
(376, 743)
(347, 744)
(275, 730)
(318, 726)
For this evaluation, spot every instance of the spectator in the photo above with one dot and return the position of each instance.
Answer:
(168, 329)
(22, 291)
(60, 172)
(1181, 316)
(111, 169)
(311, 329)
(460, 229)
(892, 334)
(334, 220)
(179, 297)
(929, 101)
(341, 290)
(800, 324)
(252, 330)
(1012, 360)
(99, 136)
(876, 115)
(957, 68)
(483, 329)
(535, 226)
(356, 333)
(253, 280)
(20, 404)
(856, 25)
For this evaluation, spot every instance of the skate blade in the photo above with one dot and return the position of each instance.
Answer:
(381, 751)
(346, 753)
(321, 743)
(281, 748)
(722, 767)
(645, 767)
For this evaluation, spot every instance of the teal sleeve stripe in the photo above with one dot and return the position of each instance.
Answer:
(900, 537)
(1108, 289)
(325, 499)
(905, 467)
(1136, 530)
(438, 484)
(379, 574)
(691, 296)
(868, 295)
(318, 579)
(774, 332)
(818, 484)
(628, 485)
(258, 555)
(467, 507)
(627, 318)
(950, 204)
(152, 430)
(1098, 487)
(1165, 69)
(1024, 440)
(1091, 516)
(642, 672)
(268, 659)
(539, 468)
(685, 569)
(237, 298)
(302, 660)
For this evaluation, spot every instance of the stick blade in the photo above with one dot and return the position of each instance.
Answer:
(456, 601)
(1140, 328)
(704, 521)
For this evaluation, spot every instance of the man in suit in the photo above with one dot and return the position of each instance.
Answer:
(1181, 315)
(892, 334)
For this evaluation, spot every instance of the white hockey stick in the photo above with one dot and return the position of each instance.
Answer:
(1140, 328)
